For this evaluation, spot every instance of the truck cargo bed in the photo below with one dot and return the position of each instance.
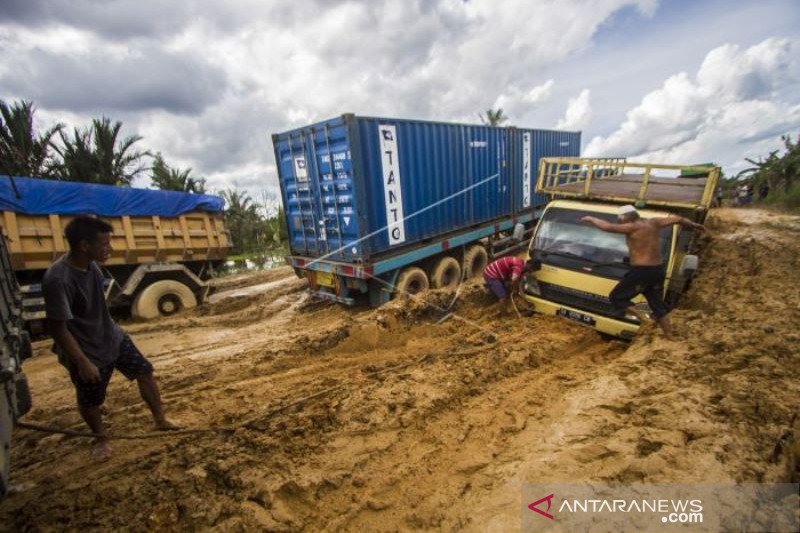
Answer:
(617, 180)
(667, 190)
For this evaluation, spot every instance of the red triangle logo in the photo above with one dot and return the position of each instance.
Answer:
(549, 500)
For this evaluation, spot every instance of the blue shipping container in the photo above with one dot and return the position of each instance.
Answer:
(359, 188)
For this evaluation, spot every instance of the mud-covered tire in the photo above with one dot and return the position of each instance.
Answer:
(411, 281)
(446, 274)
(163, 298)
(475, 260)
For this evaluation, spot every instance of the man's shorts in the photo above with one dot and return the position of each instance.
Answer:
(497, 287)
(645, 280)
(130, 362)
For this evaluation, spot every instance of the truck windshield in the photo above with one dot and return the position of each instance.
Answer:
(561, 233)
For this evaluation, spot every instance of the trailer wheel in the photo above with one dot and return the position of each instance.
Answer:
(446, 274)
(163, 298)
(411, 281)
(475, 260)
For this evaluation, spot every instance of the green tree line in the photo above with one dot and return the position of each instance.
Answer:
(99, 154)
(777, 174)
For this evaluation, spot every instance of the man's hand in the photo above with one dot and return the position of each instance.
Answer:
(88, 372)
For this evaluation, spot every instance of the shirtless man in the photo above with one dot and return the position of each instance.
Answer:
(646, 275)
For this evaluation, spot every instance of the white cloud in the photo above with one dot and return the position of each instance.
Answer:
(737, 105)
(517, 102)
(578, 114)
(263, 67)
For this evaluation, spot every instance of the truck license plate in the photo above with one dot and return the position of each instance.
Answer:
(325, 278)
(576, 316)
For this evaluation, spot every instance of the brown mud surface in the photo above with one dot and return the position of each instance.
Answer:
(408, 423)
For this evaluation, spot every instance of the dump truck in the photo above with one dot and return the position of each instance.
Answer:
(166, 244)
(15, 346)
(578, 264)
(383, 206)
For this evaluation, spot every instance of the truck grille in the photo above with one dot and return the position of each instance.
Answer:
(581, 300)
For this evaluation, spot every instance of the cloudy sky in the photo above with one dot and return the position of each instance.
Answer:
(207, 82)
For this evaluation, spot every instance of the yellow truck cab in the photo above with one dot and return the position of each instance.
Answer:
(578, 264)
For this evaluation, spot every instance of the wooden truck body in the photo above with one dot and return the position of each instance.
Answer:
(166, 244)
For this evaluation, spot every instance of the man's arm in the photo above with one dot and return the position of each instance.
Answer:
(685, 222)
(609, 226)
(86, 369)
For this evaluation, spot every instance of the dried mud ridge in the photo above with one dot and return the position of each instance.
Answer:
(419, 425)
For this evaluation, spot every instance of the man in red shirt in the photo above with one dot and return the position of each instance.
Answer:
(503, 277)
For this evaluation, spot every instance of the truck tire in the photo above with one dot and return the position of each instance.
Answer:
(163, 298)
(446, 274)
(475, 260)
(411, 281)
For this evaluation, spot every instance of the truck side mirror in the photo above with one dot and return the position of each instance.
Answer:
(519, 232)
(689, 265)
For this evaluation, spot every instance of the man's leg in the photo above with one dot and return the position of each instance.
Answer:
(666, 325)
(94, 419)
(148, 388)
(90, 397)
(134, 365)
(622, 294)
(653, 293)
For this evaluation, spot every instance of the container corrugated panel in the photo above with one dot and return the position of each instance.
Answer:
(356, 187)
(541, 143)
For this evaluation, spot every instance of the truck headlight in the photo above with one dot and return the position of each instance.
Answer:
(532, 287)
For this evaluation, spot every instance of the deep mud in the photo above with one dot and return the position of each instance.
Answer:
(401, 422)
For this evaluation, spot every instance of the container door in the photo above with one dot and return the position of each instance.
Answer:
(316, 173)
(300, 202)
(333, 177)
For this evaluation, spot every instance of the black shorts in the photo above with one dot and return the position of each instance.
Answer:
(130, 362)
(645, 280)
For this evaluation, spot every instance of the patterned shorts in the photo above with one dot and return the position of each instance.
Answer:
(130, 362)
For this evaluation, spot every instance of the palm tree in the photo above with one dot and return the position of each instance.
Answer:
(168, 178)
(22, 152)
(493, 117)
(248, 228)
(96, 155)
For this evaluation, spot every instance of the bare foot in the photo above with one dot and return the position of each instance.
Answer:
(101, 451)
(166, 425)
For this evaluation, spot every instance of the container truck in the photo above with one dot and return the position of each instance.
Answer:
(15, 346)
(166, 244)
(379, 206)
(578, 264)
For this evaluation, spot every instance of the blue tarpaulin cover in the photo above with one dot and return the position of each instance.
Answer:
(44, 197)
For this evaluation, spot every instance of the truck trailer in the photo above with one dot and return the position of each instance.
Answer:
(166, 244)
(578, 264)
(384, 206)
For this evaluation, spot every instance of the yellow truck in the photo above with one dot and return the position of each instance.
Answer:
(166, 244)
(577, 264)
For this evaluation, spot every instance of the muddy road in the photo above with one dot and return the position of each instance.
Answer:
(380, 420)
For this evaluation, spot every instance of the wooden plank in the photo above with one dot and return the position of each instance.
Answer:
(160, 245)
(209, 231)
(58, 236)
(12, 232)
(187, 240)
